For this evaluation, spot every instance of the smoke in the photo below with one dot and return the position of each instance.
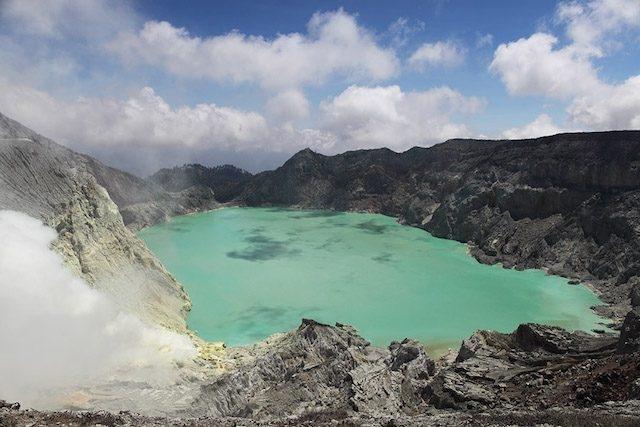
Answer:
(58, 334)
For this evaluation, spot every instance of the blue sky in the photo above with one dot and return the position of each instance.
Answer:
(155, 83)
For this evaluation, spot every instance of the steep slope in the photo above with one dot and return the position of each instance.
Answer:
(569, 202)
(71, 193)
(225, 181)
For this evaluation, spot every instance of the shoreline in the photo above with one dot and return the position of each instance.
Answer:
(438, 350)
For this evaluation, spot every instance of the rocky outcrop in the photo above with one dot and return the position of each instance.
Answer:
(535, 367)
(323, 375)
(569, 203)
(320, 368)
(64, 190)
(630, 332)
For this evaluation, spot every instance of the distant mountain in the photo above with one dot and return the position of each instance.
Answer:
(226, 181)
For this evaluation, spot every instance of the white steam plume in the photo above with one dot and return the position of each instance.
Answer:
(56, 332)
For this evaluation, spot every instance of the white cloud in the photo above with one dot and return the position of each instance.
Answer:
(129, 126)
(533, 66)
(402, 30)
(142, 119)
(371, 117)
(88, 19)
(538, 66)
(59, 334)
(145, 125)
(288, 106)
(613, 107)
(441, 53)
(484, 40)
(334, 45)
(359, 117)
(590, 23)
(542, 126)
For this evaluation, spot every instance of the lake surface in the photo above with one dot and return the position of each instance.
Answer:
(251, 272)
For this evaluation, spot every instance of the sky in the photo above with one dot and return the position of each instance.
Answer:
(156, 83)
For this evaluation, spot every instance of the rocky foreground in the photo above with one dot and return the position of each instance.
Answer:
(568, 203)
(328, 375)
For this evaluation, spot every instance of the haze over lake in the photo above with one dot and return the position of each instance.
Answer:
(252, 272)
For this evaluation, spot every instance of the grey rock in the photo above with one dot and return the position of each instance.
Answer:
(630, 332)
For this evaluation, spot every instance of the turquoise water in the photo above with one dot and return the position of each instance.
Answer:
(251, 272)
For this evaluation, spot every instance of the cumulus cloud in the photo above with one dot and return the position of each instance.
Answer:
(533, 66)
(589, 24)
(359, 117)
(56, 78)
(59, 333)
(144, 119)
(538, 65)
(484, 40)
(613, 107)
(288, 106)
(441, 53)
(371, 117)
(143, 132)
(542, 126)
(88, 19)
(334, 45)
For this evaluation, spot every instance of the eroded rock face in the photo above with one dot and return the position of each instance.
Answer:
(536, 365)
(320, 368)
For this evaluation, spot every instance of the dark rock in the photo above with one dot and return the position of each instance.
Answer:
(630, 332)
(13, 406)
(635, 293)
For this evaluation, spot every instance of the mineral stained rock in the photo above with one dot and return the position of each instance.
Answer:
(74, 195)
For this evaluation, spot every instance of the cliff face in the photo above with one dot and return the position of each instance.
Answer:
(71, 193)
(568, 202)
